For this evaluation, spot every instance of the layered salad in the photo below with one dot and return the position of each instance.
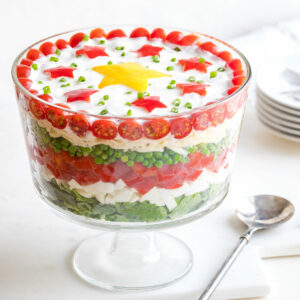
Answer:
(132, 124)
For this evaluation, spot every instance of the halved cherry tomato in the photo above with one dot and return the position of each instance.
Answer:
(238, 80)
(23, 71)
(235, 64)
(34, 54)
(60, 71)
(26, 82)
(79, 124)
(56, 117)
(232, 90)
(116, 33)
(225, 55)
(218, 114)
(180, 127)
(97, 33)
(61, 44)
(235, 73)
(45, 97)
(34, 92)
(158, 33)
(76, 39)
(149, 103)
(201, 120)
(210, 47)
(174, 37)
(26, 62)
(80, 95)
(92, 51)
(47, 48)
(140, 32)
(130, 130)
(37, 108)
(189, 39)
(156, 129)
(104, 129)
(148, 50)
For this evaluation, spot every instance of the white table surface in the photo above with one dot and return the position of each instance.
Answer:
(253, 162)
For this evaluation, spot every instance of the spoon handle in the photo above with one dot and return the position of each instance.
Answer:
(243, 241)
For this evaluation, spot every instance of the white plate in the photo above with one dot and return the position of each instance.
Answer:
(274, 80)
(284, 110)
(276, 119)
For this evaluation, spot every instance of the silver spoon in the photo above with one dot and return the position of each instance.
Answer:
(262, 212)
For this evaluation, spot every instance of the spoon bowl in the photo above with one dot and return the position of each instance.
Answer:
(265, 211)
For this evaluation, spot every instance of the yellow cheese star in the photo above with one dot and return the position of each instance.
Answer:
(130, 74)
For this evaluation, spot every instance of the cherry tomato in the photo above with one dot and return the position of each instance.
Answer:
(238, 80)
(218, 114)
(26, 62)
(37, 108)
(79, 124)
(23, 71)
(235, 73)
(201, 120)
(61, 44)
(116, 33)
(76, 39)
(130, 130)
(189, 39)
(158, 33)
(174, 37)
(156, 129)
(56, 117)
(104, 129)
(210, 47)
(232, 90)
(225, 55)
(180, 127)
(235, 64)
(26, 82)
(97, 33)
(47, 48)
(34, 54)
(140, 32)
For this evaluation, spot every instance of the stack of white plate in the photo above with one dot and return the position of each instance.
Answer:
(278, 99)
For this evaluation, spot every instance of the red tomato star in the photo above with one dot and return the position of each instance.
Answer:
(92, 51)
(60, 71)
(80, 95)
(193, 87)
(149, 103)
(148, 50)
(194, 63)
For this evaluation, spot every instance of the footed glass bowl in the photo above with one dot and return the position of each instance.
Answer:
(129, 190)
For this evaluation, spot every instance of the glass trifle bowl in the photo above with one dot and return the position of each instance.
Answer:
(131, 130)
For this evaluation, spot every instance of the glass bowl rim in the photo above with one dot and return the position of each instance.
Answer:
(168, 116)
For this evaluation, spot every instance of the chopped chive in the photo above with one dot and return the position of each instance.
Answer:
(129, 112)
(79, 55)
(120, 48)
(173, 59)
(101, 42)
(57, 51)
(173, 81)
(176, 102)
(221, 69)
(40, 82)
(90, 87)
(177, 49)
(128, 103)
(170, 68)
(129, 92)
(174, 110)
(73, 65)
(191, 79)
(201, 60)
(62, 80)
(65, 84)
(81, 79)
(34, 67)
(110, 62)
(170, 87)
(52, 58)
(155, 59)
(101, 103)
(123, 54)
(105, 97)
(213, 74)
(104, 112)
(188, 105)
(140, 95)
(85, 38)
(46, 89)
(200, 81)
